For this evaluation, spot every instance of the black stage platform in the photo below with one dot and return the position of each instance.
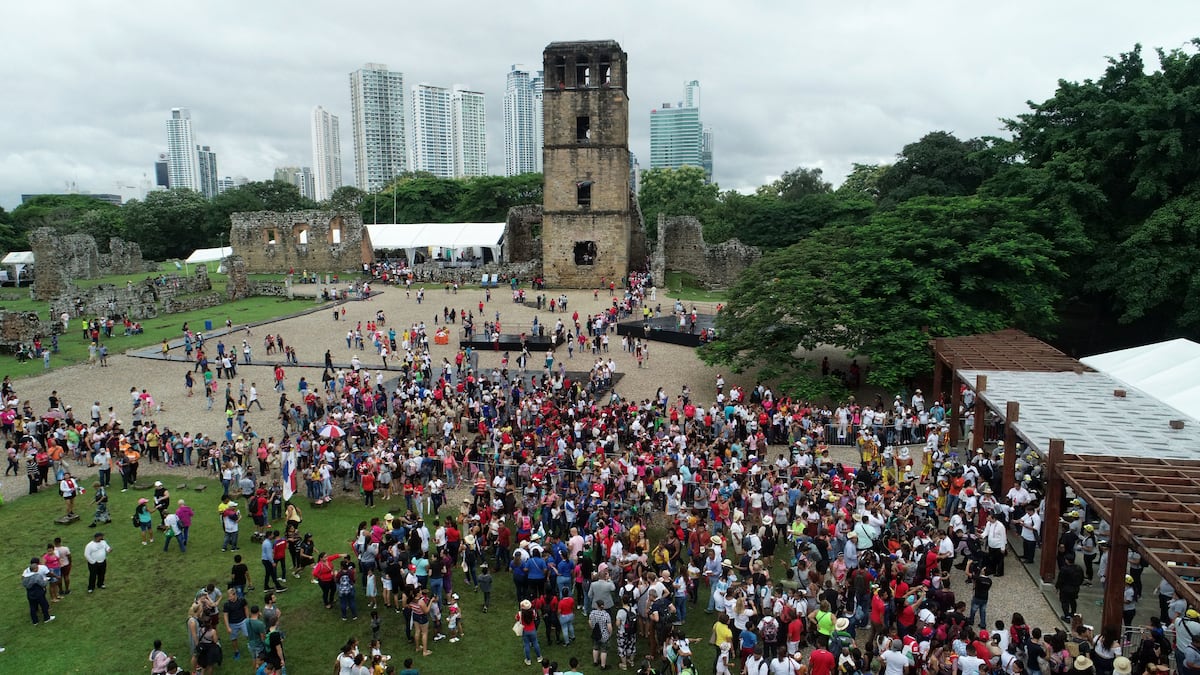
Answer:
(666, 329)
(510, 342)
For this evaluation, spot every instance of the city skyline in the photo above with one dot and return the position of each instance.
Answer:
(377, 109)
(821, 86)
(522, 120)
(677, 135)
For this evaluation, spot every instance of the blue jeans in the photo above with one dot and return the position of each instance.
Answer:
(681, 608)
(349, 602)
(230, 540)
(981, 605)
(567, 623)
(167, 543)
(528, 640)
(435, 588)
(564, 586)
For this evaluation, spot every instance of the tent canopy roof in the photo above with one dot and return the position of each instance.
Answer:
(1168, 371)
(435, 235)
(18, 258)
(206, 255)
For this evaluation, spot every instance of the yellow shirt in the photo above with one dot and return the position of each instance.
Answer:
(723, 633)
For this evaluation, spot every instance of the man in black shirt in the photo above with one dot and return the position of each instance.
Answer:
(979, 601)
(235, 619)
(240, 576)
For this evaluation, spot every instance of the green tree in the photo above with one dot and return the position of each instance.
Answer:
(9, 239)
(930, 267)
(796, 184)
(345, 198)
(769, 222)
(676, 192)
(1117, 158)
(487, 199)
(938, 165)
(68, 214)
(168, 223)
(863, 181)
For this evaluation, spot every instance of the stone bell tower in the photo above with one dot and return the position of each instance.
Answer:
(589, 214)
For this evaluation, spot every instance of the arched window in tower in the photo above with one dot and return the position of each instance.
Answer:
(560, 71)
(605, 71)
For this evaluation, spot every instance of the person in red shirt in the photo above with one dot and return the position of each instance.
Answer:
(566, 619)
(368, 487)
(821, 661)
(323, 572)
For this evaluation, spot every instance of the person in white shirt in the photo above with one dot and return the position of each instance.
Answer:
(96, 555)
(996, 537)
(1031, 527)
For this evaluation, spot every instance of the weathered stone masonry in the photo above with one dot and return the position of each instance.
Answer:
(312, 241)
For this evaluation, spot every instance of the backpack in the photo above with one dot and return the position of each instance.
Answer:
(836, 643)
(769, 631)
(345, 585)
(597, 633)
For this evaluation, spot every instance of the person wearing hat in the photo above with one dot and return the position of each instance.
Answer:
(1130, 597)
(1089, 549)
(141, 518)
(162, 499)
(1082, 665)
(1187, 634)
(895, 661)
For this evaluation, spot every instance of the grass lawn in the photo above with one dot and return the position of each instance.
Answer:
(74, 349)
(683, 286)
(149, 593)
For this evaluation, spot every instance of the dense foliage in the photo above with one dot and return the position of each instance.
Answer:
(1091, 205)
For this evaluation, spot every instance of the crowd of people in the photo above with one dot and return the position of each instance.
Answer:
(805, 564)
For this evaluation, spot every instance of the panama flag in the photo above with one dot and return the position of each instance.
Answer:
(289, 474)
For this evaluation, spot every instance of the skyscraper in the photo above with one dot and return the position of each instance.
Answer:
(162, 171)
(522, 121)
(327, 154)
(377, 106)
(469, 131)
(430, 134)
(208, 171)
(183, 163)
(300, 176)
(677, 137)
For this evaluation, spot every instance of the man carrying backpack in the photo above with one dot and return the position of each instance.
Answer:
(346, 591)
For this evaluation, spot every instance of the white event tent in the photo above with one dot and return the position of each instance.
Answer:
(1168, 371)
(449, 239)
(18, 261)
(207, 255)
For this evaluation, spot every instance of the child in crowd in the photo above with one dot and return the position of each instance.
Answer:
(484, 580)
(454, 623)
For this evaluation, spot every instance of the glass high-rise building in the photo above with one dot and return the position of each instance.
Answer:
(523, 121)
(430, 131)
(208, 170)
(469, 131)
(377, 106)
(327, 154)
(677, 137)
(300, 176)
(183, 162)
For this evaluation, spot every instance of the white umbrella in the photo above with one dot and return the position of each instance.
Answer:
(332, 431)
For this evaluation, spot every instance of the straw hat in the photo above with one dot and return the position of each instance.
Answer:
(525, 604)
(1122, 666)
(1083, 663)
(842, 623)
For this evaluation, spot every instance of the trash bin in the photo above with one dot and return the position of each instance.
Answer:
(207, 325)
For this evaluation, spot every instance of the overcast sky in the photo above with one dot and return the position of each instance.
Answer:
(89, 85)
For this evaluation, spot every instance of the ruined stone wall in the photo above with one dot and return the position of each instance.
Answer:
(123, 257)
(138, 300)
(314, 241)
(51, 277)
(681, 248)
(520, 244)
(17, 328)
(433, 273)
(238, 286)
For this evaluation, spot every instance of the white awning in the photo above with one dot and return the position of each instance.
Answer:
(1169, 371)
(451, 238)
(18, 258)
(207, 255)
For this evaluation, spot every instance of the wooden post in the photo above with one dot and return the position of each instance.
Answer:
(1011, 416)
(938, 372)
(980, 414)
(955, 401)
(1054, 498)
(1118, 560)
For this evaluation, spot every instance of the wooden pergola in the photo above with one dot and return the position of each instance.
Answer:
(1151, 504)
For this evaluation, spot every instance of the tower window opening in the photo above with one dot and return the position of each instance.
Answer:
(583, 72)
(583, 193)
(583, 129)
(585, 253)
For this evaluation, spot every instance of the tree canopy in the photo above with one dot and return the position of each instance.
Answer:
(930, 267)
